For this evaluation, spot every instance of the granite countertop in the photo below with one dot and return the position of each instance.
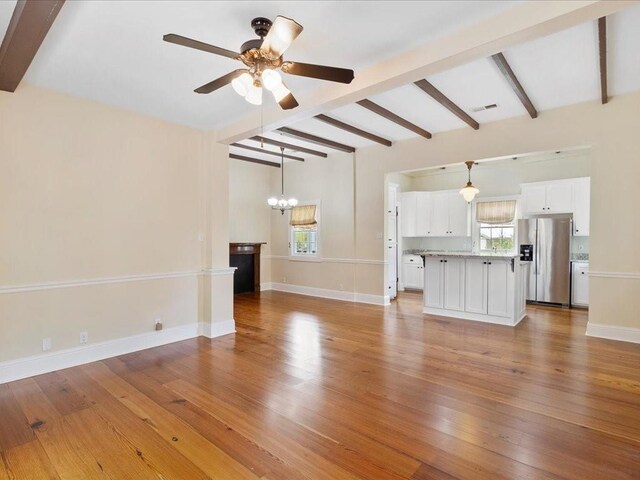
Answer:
(579, 257)
(437, 253)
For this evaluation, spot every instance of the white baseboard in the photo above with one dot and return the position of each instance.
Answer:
(612, 332)
(266, 286)
(326, 293)
(218, 329)
(71, 357)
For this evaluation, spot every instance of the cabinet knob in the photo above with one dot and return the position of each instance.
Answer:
(489, 263)
(484, 263)
(582, 273)
(445, 261)
(577, 230)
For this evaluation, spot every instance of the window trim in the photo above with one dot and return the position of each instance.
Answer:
(299, 257)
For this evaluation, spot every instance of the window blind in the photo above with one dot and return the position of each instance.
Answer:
(303, 216)
(496, 213)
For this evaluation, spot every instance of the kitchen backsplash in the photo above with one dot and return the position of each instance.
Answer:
(579, 245)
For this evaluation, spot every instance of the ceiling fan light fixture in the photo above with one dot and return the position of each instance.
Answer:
(271, 79)
(254, 95)
(242, 84)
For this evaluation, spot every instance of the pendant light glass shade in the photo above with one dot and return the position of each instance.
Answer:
(271, 79)
(273, 201)
(469, 192)
(242, 84)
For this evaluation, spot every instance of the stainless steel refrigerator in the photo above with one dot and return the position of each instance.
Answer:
(545, 241)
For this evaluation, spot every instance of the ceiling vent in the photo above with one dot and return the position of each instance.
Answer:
(486, 107)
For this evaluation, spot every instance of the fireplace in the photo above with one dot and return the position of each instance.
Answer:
(246, 258)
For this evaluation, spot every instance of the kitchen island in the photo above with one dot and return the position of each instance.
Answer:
(485, 287)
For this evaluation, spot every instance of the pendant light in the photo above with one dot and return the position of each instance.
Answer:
(282, 203)
(469, 191)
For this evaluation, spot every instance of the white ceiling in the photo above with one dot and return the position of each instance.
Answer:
(112, 51)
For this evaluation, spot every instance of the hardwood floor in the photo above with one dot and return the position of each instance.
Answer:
(319, 389)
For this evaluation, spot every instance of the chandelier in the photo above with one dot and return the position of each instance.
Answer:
(469, 191)
(282, 203)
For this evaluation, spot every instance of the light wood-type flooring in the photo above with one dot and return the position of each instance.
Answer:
(318, 389)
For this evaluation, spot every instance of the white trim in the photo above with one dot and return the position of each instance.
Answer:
(266, 286)
(107, 280)
(326, 293)
(218, 329)
(215, 272)
(355, 261)
(613, 332)
(56, 360)
(95, 281)
(478, 317)
(634, 275)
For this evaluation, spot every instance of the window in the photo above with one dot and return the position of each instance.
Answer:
(495, 222)
(304, 231)
(497, 237)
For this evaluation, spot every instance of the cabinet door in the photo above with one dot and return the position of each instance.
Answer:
(559, 197)
(440, 214)
(534, 199)
(411, 275)
(580, 284)
(433, 282)
(581, 206)
(476, 286)
(454, 283)
(458, 216)
(499, 288)
(408, 214)
(423, 214)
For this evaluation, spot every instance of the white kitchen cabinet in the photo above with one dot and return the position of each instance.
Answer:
(499, 288)
(476, 286)
(450, 215)
(412, 272)
(454, 283)
(547, 197)
(423, 214)
(439, 214)
(580, 283)
(434, 282)
(581, 206)
(408, 212)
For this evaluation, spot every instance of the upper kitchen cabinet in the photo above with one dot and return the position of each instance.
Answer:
(408, 214)
(547, 197)
(434, 214)
(581, 206)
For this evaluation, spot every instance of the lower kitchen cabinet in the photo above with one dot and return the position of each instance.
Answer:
(433, 282)
(412, 272)
(580, 284)
(454, 283)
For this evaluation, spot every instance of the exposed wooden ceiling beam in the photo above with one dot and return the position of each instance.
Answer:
(266, 152)
(307, 137)
(383, 112)
(253, 160)
(355, 130)
(290, 146)
(602, 47)
(510, 77)
(27, 29)
(443, 100)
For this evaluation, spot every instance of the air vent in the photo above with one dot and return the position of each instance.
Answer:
(486, 107)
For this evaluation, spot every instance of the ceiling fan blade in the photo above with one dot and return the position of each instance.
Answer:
(220, 82)
(288, 101)
(333, 74)
(280, 37)
(205, 47)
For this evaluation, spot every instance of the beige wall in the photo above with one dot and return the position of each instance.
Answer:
(91, 192)
(610, 129)
(249, 216)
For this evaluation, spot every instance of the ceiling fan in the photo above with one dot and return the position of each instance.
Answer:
(263, 59)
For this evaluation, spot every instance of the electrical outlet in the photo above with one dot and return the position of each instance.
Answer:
(341, 287)
(284, 279)
(84, 337)
(581, 247)
(201, 237)
(46, 344)
(158, 325)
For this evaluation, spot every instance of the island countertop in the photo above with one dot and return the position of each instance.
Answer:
(497, 255)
